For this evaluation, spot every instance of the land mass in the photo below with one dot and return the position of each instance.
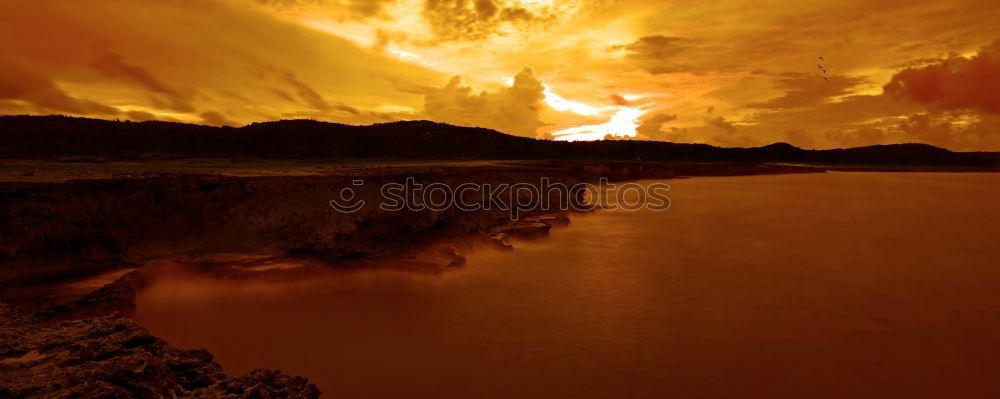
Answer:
(60, 137)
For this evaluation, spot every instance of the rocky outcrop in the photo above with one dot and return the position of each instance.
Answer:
(112, 357)
(115, 297)
(57, 230)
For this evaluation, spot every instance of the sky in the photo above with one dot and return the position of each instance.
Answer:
(725, 72)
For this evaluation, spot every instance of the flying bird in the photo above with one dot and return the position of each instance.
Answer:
(820, 66)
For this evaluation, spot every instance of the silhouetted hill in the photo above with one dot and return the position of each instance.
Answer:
(36, 137)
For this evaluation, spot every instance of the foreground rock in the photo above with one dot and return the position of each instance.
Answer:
(112, 357)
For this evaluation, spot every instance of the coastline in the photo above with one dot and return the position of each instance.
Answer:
(253, 213)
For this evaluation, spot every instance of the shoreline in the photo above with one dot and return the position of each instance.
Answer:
(95, 330)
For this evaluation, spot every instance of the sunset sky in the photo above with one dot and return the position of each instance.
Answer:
(731, 73)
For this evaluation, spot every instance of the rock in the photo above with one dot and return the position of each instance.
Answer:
(499, 241)
(557, 219)
(118, 296)
(112, 357)
(523, 230)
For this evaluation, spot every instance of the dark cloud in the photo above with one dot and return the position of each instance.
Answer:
(511, 110)
(954, 83)
(721, 123)
(306, 92)
(659, 54)
(42, 93)
(730, 135)
(139, 116)
(113, 65)
(283, 95)
(216, 118)
(184, 57)
(293, 88)
(341, 111)
(652, 128)
(477, 19)
(804, 90)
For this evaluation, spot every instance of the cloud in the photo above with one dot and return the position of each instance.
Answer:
(358, 8)
(659, 54)
(857, 136)
(344, 61)
(216, 118)
(800, 138)
(721, 123)
(652, 128)
(309, 95)
(953, 83)
(113, 65)
(41, 93)
(803, 89)
(478, 19)
(139, 116)
(183, 58)
(511, 110)
(955, 130)
(959, 131)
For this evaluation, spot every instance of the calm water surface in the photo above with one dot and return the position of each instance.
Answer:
(811, 286)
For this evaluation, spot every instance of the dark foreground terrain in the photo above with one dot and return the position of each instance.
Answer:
(112, 357)
(58, 137)
(82, 197)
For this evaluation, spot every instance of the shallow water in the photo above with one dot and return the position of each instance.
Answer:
(819, 286)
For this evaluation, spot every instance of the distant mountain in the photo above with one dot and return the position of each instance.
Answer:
(60, 137)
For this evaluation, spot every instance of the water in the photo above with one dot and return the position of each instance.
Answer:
(820, 286)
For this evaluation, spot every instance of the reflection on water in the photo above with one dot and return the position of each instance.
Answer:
(813, 286)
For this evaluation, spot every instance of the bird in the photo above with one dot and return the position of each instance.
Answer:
(827, 80)
(820, 58)
(824, 71)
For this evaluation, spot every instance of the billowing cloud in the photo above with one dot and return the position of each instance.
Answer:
(477, 19)
(513, 109)
(652, 128)
(954, 83)
(721, 123)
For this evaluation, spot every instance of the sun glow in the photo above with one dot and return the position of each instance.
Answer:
(559, 103)
(624, 123)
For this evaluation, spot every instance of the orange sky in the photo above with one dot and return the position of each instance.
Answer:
(732, 73)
